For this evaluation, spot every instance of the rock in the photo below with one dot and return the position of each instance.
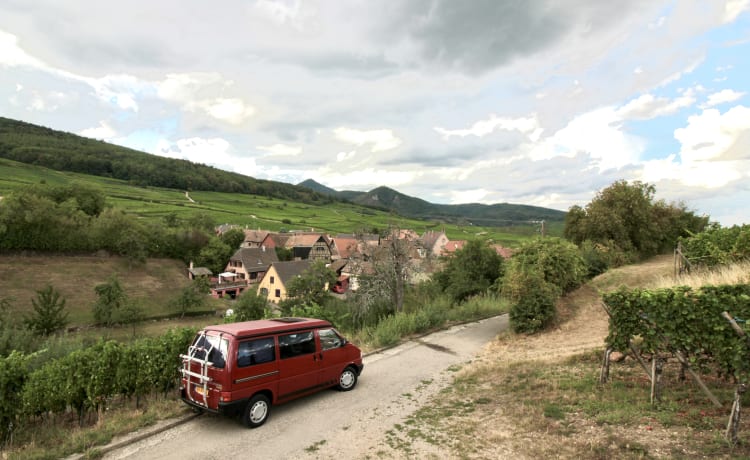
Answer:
(616, 356)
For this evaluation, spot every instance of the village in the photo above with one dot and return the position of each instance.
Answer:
(256, 264)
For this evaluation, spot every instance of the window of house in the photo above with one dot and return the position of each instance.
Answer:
(278, 293)
(272, 280)
(301, 343)
(264, 292)
(257, 351)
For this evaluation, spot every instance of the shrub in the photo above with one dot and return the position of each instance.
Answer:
(533, 303)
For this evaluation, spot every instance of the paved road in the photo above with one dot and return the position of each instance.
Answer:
(394, 383)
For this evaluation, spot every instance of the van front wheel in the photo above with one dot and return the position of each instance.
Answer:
(256, 411)
(347, 379)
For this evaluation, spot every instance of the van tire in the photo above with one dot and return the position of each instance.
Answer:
(347, 379)
(256, 412)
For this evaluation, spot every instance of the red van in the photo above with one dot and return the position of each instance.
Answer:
(243, 368)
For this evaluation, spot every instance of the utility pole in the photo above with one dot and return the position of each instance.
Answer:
(542, 231)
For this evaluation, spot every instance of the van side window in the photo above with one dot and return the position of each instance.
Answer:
(301, 343)
(329, 339)
(257, 351)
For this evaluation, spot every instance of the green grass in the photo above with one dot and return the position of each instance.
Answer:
(252, 211)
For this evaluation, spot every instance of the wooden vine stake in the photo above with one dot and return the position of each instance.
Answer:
(604, 375)
(733, 425)
(657, 364)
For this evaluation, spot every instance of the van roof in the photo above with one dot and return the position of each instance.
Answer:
(267, 326)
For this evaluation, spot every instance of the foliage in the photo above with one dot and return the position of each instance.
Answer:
(311, 287)
(215, 255)
(111, 300)
(686, 320)
(717, 245)
(233, 238)
(49, 312)
(470, 271)
(559, 262)
(250, 306)
(625, 216)
(13, 373)
(532, 300)
(190, 297)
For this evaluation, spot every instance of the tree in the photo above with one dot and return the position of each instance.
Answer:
(233, 238)
(624, 217)
(191, 296)
(215, 255)
(250, 306)
(389, 278)
(311, 287)
(49, 312)
(111, 300)
(470, 271)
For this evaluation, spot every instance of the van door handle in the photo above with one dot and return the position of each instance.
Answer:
(321, 356)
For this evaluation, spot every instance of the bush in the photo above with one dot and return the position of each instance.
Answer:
(533, 303)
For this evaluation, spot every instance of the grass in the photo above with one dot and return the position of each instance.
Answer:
(550, 408)
(62, 436)
(731, 274)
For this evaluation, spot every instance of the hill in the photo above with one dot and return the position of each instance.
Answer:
(57, 150)
(494, 215)
(61, 151)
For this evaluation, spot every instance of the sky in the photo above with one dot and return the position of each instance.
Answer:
(536, 102)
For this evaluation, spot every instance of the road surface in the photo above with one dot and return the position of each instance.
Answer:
(395, 382)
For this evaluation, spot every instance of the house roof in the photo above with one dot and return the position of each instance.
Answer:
(453, 246)
(430, 238)
(506, 253)
(256, 236)
(305, 240)
(346, 245)
(255, 259)
(338, 265)
(289, 269)
(200, 271)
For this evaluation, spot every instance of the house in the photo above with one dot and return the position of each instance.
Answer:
(273, 286)
(433, 243)
(198, 272)
(254, 238)
(315, 246)
(506, 253)
(452, 246)
(342, 279)
(250, 264)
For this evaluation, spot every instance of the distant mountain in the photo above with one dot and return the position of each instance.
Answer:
(61, 151)
(495, 215)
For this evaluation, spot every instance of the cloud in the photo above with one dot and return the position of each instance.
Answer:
(713, 136)
(103, 131)
(733, 8)
(215, 152)
(723, 96)
(648, 106)
(378, 139)
(529, 126)
(281, 150)
(191, 91)
(12, 55)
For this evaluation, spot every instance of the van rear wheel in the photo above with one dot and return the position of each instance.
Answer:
(256, 412)
(347, 379)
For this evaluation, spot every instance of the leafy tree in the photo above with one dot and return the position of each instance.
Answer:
(110, 302)
(559, 262)
(233, 238)
(532, 300)
(625, 217)
(215, 255)
(250, 306)
(190, 297)
(311, 286)
(49, 312)
(201, 221)
(470, 271)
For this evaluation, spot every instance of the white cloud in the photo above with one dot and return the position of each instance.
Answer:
(648, 106)
(598, 134)
(723, 96)
(468, 196)
(189, 90)
(379, 139)
(12, 55)
(528, 126)
(213, 151)
(344, 156)
(734, 8)
(103, 131)
(715, 136)
(365, 178)
(281, 150)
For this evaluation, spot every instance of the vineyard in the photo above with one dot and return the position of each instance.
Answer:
(32, 389)
(705, 329)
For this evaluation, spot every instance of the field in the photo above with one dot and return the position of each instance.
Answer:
(253, 211)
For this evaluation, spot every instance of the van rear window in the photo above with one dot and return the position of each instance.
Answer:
(218, 347)
(257, 351)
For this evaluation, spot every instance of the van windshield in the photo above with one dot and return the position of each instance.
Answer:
(218, 347)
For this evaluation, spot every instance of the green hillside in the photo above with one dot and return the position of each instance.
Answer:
(495, 215)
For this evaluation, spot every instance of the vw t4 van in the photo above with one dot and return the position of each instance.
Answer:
(244, 368)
